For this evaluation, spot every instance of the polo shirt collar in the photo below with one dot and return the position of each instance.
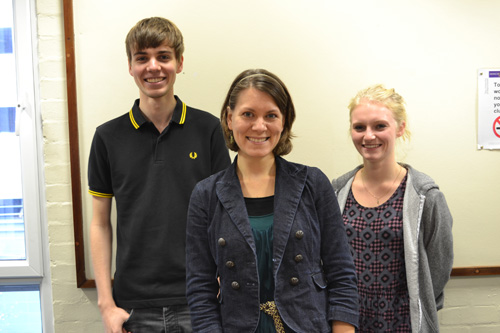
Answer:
(137, 118)
(180, 111)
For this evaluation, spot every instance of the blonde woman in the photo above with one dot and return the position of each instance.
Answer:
(397, 222)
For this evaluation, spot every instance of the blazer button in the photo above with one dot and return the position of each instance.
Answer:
(221, 242)
(299, 234)
(298, 258)
(229, 264)
(235, 285)
(293, 281)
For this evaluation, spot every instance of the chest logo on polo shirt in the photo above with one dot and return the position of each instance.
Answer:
(193, 155)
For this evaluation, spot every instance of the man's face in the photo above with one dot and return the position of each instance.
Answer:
(154, 71)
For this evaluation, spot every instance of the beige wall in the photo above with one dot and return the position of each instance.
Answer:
(322, 71)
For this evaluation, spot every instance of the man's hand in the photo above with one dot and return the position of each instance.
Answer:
(113, 319)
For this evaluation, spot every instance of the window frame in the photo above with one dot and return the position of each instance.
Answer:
(35, 268)
(26, 130)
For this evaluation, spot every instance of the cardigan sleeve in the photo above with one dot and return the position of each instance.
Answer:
(438, 241)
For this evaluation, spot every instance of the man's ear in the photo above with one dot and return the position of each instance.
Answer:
(180, 65)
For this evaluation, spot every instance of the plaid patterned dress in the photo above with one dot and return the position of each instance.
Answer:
(376, 240)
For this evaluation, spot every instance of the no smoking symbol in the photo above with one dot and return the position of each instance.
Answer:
(496, 127)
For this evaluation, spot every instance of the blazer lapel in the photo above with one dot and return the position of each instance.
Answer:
(290, 182)
(229, 192)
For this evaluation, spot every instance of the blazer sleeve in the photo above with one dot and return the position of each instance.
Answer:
(438, 241)
(201, 271)
(337, 260)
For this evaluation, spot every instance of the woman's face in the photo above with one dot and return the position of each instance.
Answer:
(256, 122)
(374, 131)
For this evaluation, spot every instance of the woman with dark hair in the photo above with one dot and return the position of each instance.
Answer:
(266, 248)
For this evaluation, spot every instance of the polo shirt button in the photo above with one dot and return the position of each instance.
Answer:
(235, 285)
(229, 264)
(294, 281)
(299, 234)
(221, 242)
(298, 258)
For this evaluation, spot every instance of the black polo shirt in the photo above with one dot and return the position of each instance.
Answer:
(151, 175)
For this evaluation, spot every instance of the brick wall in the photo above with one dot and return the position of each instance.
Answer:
(75, 310)
(471, 305)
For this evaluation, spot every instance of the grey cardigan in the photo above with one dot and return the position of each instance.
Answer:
(428, 245)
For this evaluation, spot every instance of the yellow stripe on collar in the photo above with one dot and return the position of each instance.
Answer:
(183, 116)
(134, 123)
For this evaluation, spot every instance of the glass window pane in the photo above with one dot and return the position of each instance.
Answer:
(20, 309)
(12, 235)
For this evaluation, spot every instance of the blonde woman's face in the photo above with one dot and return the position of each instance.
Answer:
(374, 131)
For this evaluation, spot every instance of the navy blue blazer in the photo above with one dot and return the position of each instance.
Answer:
(314, 274)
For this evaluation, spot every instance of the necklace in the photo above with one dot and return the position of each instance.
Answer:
(378, 198)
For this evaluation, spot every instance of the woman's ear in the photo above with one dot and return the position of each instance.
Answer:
(401, 130)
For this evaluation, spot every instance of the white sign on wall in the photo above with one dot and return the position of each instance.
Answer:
(488, 92)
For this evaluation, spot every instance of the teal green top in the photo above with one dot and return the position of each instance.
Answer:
(262, 228)
(261, 215)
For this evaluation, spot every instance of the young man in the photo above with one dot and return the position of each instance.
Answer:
(149, 159)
